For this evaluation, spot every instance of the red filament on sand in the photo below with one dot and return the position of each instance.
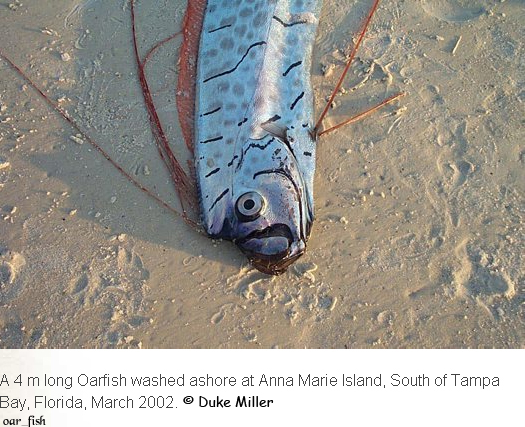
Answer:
(348, 64)
(363, 114)
(88, 139)
(184, 186)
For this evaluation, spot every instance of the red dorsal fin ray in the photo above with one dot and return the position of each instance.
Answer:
(362, 33)
(363, 114)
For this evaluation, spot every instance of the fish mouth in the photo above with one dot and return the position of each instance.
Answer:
(274, 267)
(271, 250)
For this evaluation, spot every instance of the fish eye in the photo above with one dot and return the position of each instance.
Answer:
(249, 206)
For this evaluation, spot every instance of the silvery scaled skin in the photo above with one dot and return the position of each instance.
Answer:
(254, 139)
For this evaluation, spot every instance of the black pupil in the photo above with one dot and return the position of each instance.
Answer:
(249, 204)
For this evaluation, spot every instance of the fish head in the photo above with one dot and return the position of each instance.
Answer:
(272, 212)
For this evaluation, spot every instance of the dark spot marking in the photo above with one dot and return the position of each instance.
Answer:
(291, 67)
(247, 11)
(230, 20)
(241, 30)
(307, 154)
(238, 89)
(244, 121)
(223, 86)
(259, 19)
(227, 43)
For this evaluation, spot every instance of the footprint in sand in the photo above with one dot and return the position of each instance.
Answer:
(455, 10)
(117, 272)
(479, 275)
(462, 169)
(488, 280)
(113, 282)
(11, 329)
(11, 286)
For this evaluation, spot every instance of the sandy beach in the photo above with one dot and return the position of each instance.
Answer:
(419, 233)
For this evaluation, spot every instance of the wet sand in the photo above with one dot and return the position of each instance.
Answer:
(419, 234)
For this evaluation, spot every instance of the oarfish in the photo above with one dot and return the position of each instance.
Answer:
(245, 106)
(254, 143)
(253, 131)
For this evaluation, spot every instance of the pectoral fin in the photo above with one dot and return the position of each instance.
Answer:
(276, 129)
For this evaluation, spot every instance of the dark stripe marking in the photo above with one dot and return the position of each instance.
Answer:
(212, 140)
(238, 63)
(213, 172)
(219, 198)
(296, 101)
(231, 163)
(291, 67)
(291, 24)
(244, 121)
(259, 146)
(220, 28)
(211, 112)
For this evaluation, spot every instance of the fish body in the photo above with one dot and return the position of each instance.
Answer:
(245, 106)
(254, 143)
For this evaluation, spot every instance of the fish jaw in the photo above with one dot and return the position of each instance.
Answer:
(274, 267)
(279, 236)
(272, 250)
